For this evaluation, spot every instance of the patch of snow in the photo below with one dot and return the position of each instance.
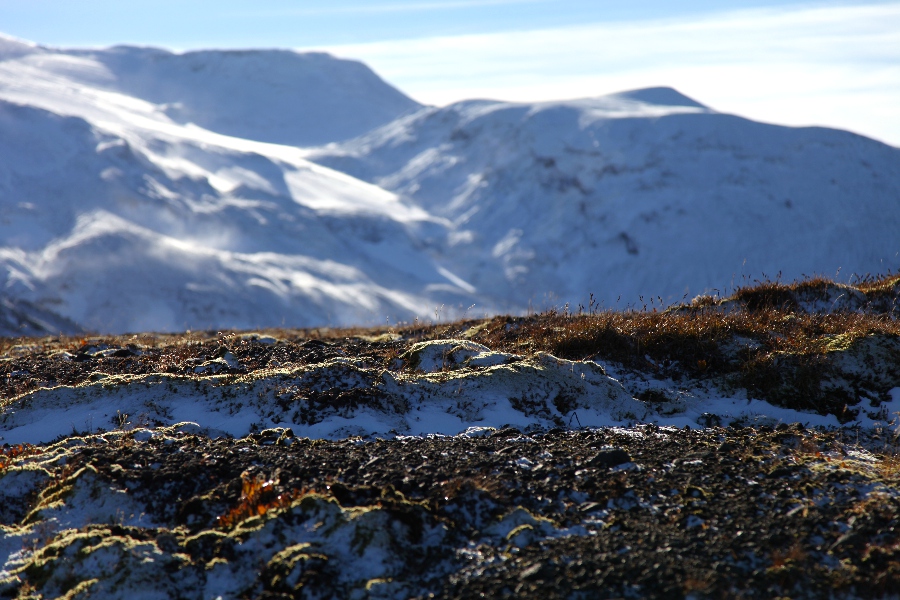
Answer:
(226, 361)
(540, 392)
(364, 542)
(21, 482)
(543, 392)
(142, 435)
(477, 432)
(90, 499)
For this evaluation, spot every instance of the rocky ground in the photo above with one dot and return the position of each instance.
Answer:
(609, 513)
(745, 447)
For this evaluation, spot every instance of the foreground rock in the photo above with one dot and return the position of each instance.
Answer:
(644, 512)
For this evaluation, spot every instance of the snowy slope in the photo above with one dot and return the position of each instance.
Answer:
(646, 193)
(276, 96)
(121, 219)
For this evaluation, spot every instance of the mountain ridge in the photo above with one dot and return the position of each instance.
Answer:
(665, 201)
(270, 95)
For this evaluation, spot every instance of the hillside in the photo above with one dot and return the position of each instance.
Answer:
(117, 218)
(21, 318)
(158, 232)
(758, 357)
(277, 96)
(641, 194)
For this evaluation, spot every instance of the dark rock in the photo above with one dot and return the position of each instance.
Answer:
(506, 432)
(610, 458)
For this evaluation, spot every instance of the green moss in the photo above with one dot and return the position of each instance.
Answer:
(206, 544)
(378, 581)
(54, 496)
(290, 569)
(81, 590)
(525, 528)
(839, 342)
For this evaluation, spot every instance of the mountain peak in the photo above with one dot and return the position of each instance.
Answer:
(11, 47)
(662, 96)
(269, 95)
(279, 96)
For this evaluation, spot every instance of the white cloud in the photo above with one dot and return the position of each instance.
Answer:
(836, 66)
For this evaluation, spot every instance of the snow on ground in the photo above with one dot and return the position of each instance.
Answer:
(144, 485)
(432, 392)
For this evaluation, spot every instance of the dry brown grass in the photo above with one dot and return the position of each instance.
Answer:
(878, 283)
(881, 292)
(758, 336)
(691, 334)
(694, 338)
(773, 352)
(795, 553)
(888, 466)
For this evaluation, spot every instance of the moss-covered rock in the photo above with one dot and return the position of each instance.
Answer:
(436, 356)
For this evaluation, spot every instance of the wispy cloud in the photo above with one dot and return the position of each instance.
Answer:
(828, 65)
(378, 8)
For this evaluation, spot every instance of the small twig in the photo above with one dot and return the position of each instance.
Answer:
(575, 416)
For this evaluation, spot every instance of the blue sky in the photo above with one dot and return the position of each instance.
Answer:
(186, 24)
(814, 63)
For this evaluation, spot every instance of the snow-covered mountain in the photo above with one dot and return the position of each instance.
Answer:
(116, 216)
(144, 190)
(646, 193)
(278, 96)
